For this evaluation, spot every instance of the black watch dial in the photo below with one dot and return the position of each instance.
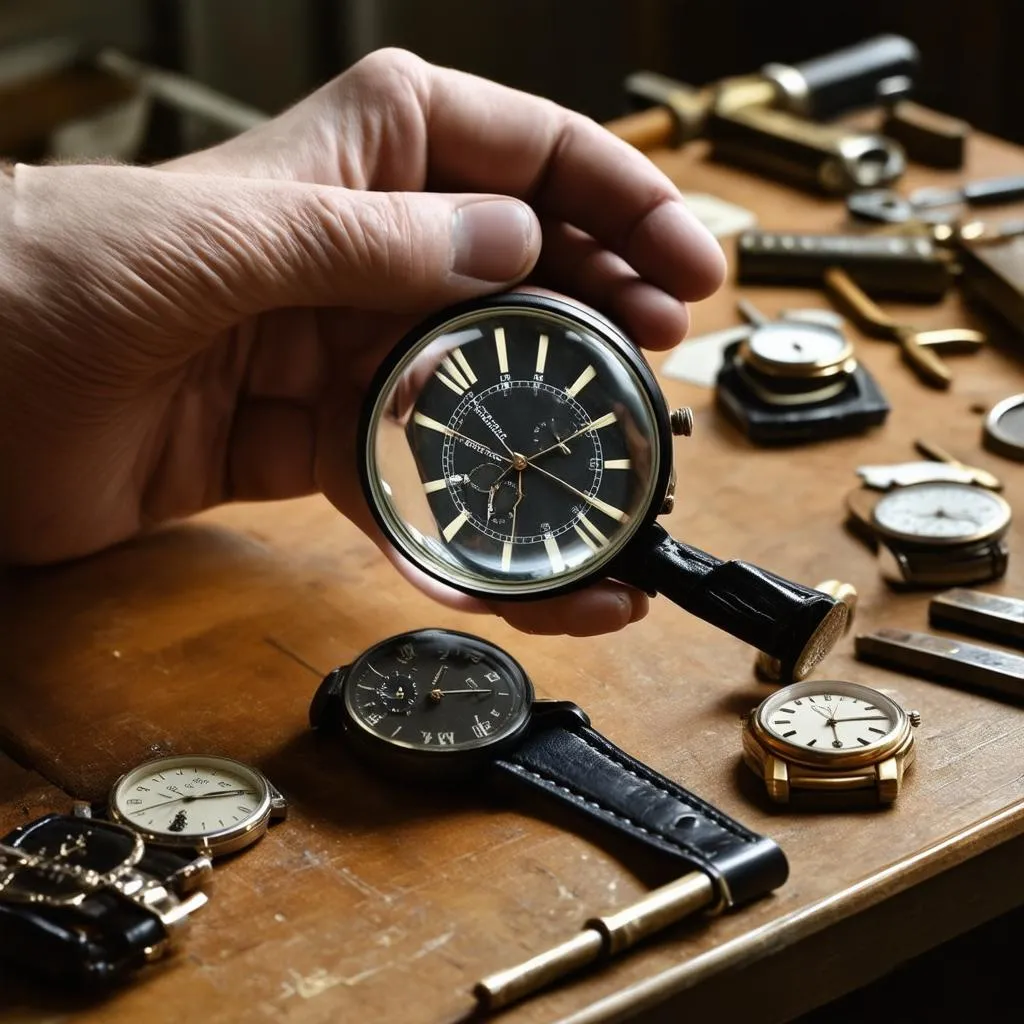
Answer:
(435, 694)
(515, 448)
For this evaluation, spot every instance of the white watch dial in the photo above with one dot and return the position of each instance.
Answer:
(191, 796)
(797, 344)
(830, 716)
(945, 512)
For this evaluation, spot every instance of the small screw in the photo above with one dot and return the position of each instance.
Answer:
(915, 718)
(681, 421)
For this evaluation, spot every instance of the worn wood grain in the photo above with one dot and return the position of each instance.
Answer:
(378, 903)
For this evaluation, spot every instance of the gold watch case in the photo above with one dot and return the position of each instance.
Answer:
(787, 767)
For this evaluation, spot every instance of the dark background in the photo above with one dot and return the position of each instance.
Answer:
(268, 53)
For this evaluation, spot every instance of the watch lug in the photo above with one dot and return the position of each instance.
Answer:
(548, 713)
(892, 565)
(278, 804)
(325, 698)
(890, 775)
(81, 809)
(776, 779)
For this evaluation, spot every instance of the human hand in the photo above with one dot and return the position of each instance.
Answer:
(178, 337)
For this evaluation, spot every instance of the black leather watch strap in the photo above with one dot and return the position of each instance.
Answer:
(60, 919)
(791, 622)
(933, 567)
(566, 758)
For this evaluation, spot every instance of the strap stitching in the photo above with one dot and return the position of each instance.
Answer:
(707, 810)
(680, 844)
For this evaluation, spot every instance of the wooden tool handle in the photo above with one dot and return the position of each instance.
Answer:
(649, 129)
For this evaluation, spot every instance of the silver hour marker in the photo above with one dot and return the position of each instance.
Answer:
(426, 421)
(583, 536)
(581, 382)
(594, 533)
(455, 525)
(463, 362)
(618, 464)
(435, 485)
(542, 352)
(499, 344)
(454, 372)
(603, 421)
(554, 553)
(506, 556)
(449, 383)
(609, 510)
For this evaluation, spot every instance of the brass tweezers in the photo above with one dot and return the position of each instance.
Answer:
(919, 348)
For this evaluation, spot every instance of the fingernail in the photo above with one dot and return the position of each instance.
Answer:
(492, 239)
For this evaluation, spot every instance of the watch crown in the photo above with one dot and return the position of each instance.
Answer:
(915, 718)
(681, 421)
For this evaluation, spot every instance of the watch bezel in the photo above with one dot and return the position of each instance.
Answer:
(433, 762)
(991, 533)
(826, 760)
(215, 843)
(842, 364)
(600, 566)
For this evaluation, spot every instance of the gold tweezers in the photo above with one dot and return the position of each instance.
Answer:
(919, 348)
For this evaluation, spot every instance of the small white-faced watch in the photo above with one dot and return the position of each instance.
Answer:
(212, 804)
(434, 705)
(934, 534)
(829, 737)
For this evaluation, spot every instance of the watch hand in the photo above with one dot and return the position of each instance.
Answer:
(561, 443)
(614, 513)
(492, 427)
(821, 711)
(437, 675)
(223, 792)
(837, 742)
(443, 692)
(865, 718)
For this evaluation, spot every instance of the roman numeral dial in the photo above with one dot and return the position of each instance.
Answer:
(435, 692)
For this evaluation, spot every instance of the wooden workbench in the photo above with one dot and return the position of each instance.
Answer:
(374, 904)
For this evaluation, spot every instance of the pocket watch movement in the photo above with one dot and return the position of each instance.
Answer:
(827, 737)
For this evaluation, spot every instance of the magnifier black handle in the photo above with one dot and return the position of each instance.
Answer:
(796, 624)
(824, 87)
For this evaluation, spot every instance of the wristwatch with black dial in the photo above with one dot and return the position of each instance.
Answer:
(436, 704)
(939, 533)
(86, 902)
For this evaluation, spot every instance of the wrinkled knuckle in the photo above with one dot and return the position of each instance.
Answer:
(375, 238)
(388, 68)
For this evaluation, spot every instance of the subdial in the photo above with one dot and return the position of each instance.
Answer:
(397, 694)
(483, 477)
(548, 434)
(501, 500)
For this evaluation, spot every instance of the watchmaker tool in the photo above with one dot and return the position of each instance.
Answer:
(600, 938)
(959, 664)
(996, 616)
(889, 207)
(771, 670)
(980, 477)
(907, 266)
(918, 347)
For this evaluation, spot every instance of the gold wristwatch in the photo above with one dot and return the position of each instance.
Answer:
(828, 737)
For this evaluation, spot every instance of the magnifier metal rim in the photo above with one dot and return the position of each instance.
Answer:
(577, 316)
(998, 440)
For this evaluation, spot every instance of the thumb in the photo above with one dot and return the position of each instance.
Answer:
(221, 248)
